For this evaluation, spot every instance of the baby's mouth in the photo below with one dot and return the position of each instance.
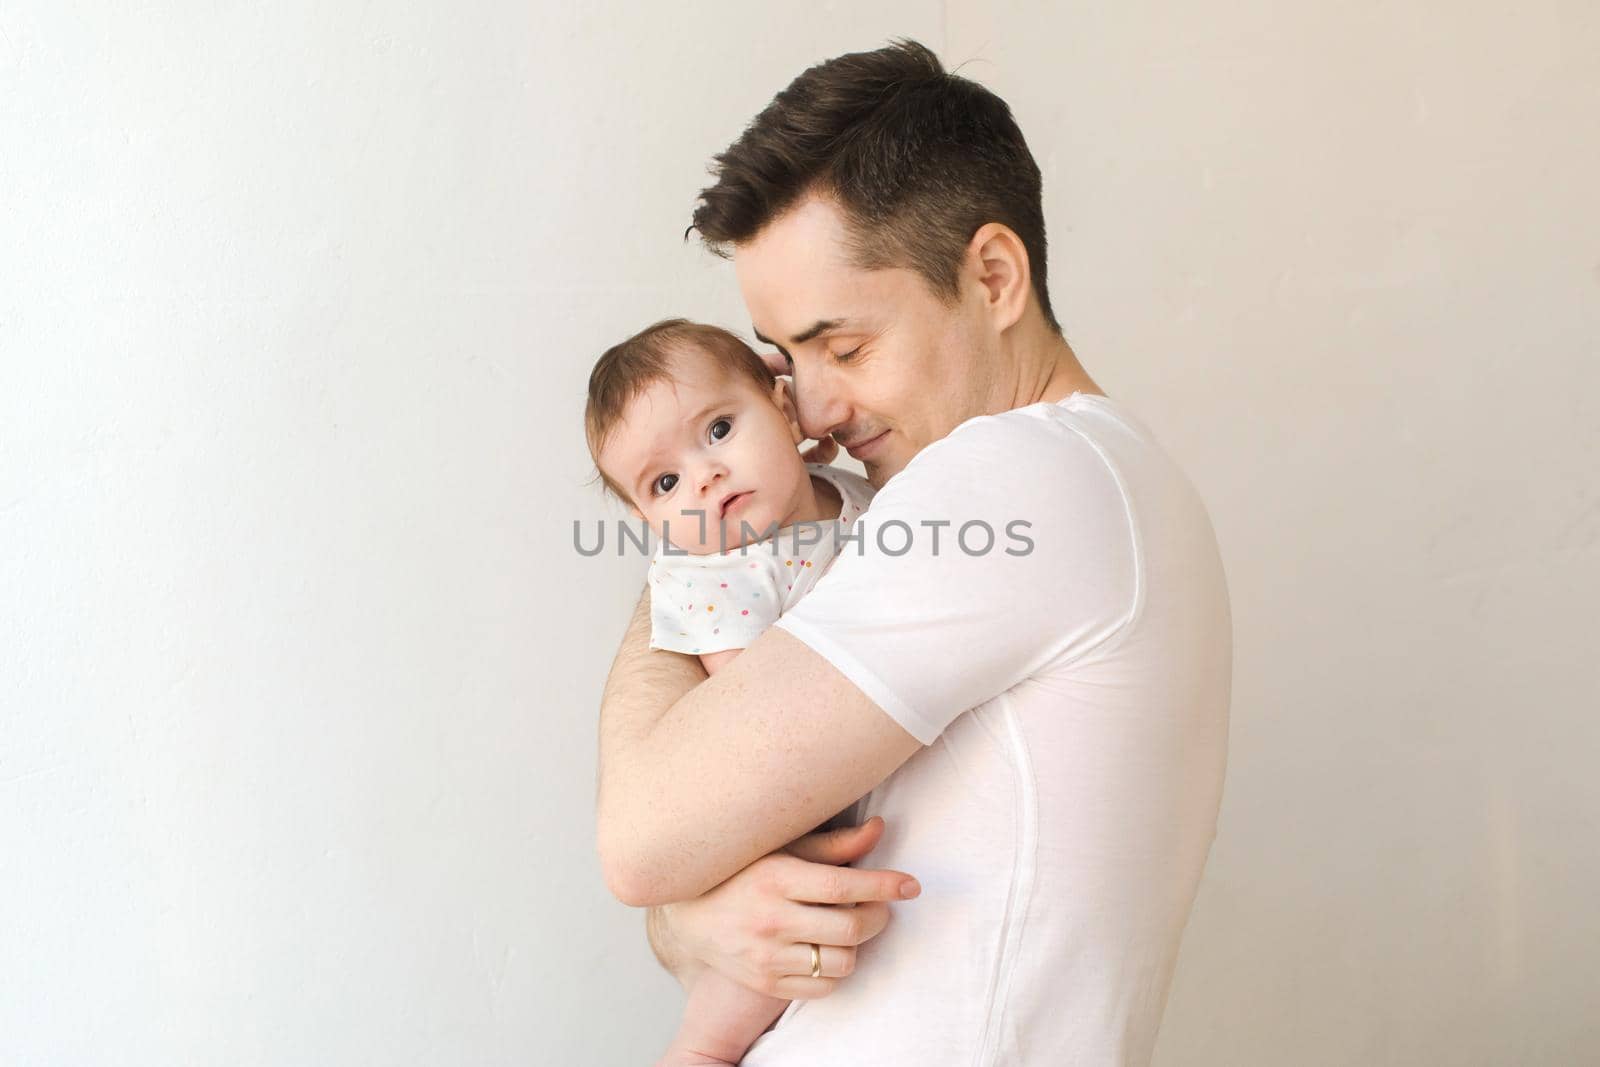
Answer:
(732, 501)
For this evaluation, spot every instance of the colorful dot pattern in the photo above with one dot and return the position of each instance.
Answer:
(747, 592)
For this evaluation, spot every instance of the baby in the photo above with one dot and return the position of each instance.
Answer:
(693, 432)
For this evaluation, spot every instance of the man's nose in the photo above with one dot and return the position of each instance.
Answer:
(819, 403)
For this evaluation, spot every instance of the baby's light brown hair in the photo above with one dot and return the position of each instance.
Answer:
(649, 356)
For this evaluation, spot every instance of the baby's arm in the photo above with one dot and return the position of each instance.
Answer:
(721, 1020)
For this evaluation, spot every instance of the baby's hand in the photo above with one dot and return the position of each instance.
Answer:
(824, 451)
(715, 661)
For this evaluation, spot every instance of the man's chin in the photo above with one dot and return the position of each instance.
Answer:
(879, 473)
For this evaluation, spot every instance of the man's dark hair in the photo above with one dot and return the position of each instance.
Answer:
(917, 159)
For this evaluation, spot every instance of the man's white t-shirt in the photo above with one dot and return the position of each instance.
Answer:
(1071, 684)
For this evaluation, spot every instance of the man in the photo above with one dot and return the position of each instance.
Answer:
(1039, 713)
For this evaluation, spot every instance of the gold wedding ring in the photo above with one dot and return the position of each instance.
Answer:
(816, 961)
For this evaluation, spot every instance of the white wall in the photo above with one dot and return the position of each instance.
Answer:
(299, 671)
(1346, 259)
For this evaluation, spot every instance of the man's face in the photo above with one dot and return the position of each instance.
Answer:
(879, 361)
(705, 451)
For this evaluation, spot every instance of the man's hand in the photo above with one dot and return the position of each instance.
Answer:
(757, 927)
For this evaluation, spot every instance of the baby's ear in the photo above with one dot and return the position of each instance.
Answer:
(782, 397)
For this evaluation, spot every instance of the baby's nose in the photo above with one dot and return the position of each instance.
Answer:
(711, 476)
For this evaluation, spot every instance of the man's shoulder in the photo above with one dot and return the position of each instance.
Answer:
(1038, 449)
(1083, 420)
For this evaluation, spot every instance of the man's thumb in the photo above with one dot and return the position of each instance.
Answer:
(839, 846)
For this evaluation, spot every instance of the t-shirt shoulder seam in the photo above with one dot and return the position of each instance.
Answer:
(1029, 419)
(1136, 548)
(862, 677)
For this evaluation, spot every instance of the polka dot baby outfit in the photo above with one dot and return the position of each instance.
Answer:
(711, 603)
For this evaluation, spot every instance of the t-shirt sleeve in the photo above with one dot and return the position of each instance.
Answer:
(701, 604)
(1002, 547)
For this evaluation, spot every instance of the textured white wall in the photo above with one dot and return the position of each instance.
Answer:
(298, 670)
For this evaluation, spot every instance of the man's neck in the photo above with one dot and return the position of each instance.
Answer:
(1048, 370)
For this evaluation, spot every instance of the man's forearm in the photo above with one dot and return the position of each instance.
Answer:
(643, 685)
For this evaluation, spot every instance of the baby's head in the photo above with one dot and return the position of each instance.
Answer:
(685, 420)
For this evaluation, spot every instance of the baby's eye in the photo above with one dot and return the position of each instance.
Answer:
(664, 483)
(727, 423)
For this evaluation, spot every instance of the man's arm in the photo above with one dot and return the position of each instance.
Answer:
(698, 779)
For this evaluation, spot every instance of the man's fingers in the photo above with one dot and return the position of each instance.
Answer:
(820, 883)
(822, 879)
(791, 987)
(844, 927)
(836, 962)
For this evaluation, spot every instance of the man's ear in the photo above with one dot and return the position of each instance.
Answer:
(784, 398)
(998, 261)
